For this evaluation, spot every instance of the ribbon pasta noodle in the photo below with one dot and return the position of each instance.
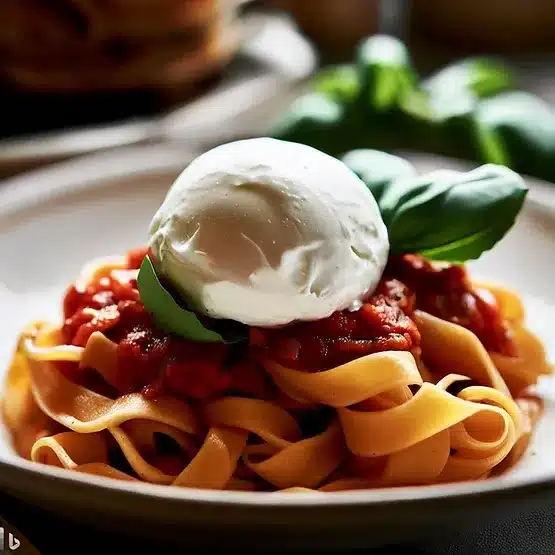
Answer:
(449, 410)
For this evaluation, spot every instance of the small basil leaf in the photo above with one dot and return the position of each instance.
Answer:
(452, 216)
(386, 72)
(377, 168)
(340, 83)
(167, 314)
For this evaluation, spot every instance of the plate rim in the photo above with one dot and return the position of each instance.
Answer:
(66, 178)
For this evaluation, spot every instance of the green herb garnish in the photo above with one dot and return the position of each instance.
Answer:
(170, 316)
(445, 215)
(385, 70)
(452, 216)
(377, 168)
(340, 83)
(314, 119)
(480, 77)
(522, 128)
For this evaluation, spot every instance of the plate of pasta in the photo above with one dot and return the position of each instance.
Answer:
(263, 336)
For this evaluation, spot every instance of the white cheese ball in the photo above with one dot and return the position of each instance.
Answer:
(268, 232)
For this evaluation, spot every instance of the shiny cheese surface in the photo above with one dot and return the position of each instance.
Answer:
(267, 232)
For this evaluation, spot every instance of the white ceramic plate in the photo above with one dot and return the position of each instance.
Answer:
(55, 220)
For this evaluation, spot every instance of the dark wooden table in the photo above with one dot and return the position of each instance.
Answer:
(533, 534)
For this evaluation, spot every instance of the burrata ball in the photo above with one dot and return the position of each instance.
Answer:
(268, 232)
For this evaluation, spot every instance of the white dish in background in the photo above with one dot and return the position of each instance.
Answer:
(53, 221)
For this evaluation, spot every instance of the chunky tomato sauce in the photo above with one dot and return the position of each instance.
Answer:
(152, 361)
(446, 292)
(383, 323)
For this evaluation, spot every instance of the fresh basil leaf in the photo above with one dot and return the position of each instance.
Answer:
(452, 216)
(403, 191)
(452, 105)
(316, 120)
(446, 104)
(453, 95)
(416, 104)
(489, 77)
(386, 72)
(459, 252)
(491, 147)
(453, 132)
(377, 168)
(477, 77)
(340, 83)
(415, 125)
(521, 129)
(169, 315)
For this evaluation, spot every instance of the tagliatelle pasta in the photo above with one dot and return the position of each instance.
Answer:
(445, 411)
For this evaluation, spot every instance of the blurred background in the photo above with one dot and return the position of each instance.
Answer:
(84, 75)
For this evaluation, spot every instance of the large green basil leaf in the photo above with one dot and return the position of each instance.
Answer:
(521, 129)
(170, 316)
(452, 216)
(454, 94)
(386, 72)
(377, 168)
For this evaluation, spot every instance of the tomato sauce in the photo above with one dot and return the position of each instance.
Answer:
(447, 292)
(383, 323)
(149, 360)
(154, 362)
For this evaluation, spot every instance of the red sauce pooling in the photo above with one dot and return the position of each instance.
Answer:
(153, 361)
(383, 323)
